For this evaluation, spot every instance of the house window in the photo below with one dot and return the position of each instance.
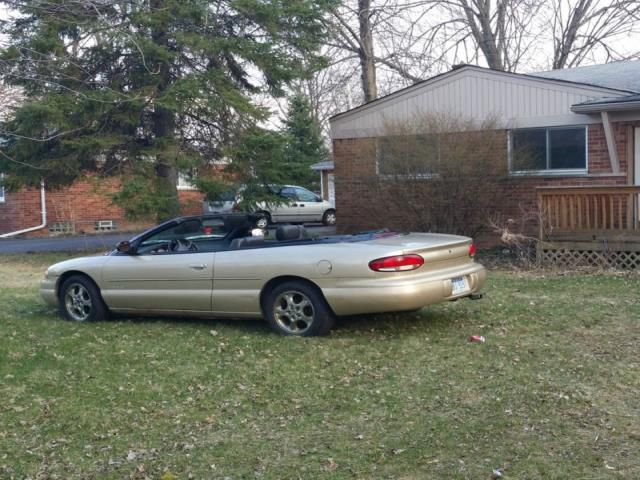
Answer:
(414, 156)
(548, 150)
(184, 182)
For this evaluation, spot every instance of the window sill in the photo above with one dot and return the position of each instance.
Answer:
(423, 176)
(184, 187)
(550, 173)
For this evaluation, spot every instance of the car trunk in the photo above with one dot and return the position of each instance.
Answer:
(438, 250)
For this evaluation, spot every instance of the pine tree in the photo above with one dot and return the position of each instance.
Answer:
(305, 145)
(144, 88)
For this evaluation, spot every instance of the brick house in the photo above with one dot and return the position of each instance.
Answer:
(83, 207)
(582, 126)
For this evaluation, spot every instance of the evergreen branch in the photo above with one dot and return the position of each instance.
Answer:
(41, 140)
(18, 162)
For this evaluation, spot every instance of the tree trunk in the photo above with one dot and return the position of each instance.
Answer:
(480, 24)
(164, 132)
(564, 45)
(367, 59)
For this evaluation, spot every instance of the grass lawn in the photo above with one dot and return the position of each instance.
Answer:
(554, 393)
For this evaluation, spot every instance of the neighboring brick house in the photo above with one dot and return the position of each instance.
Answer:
(83, 207)
(583, 123)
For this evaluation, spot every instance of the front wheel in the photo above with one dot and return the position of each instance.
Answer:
(80, 300)
(329, 218)
(296, 308)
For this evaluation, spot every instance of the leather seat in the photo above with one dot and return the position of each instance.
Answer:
(246, 242)
(290, 232)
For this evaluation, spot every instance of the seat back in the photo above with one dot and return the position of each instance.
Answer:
(290, 232)
(246, 242)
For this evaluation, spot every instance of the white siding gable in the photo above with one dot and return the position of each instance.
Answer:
(475, 93)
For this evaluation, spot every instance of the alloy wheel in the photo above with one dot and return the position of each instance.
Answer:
(293, 312)
(77, 301)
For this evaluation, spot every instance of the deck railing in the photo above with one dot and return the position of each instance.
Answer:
(589, 210)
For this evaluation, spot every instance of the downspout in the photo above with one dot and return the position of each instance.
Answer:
(43, 211)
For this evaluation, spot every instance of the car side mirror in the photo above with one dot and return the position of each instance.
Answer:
(126, 247)
(319, 198)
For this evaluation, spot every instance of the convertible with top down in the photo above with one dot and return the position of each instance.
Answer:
(220, 266)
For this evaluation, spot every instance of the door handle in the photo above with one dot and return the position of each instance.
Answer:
(301, 205)
(200, 266)
(294, 204)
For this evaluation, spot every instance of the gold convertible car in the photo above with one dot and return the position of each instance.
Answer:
(216, 266)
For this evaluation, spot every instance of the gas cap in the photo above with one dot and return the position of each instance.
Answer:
(324, 267)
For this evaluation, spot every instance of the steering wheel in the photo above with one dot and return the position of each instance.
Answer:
(182, 245)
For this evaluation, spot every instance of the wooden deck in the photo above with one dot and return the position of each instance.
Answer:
(590, 223)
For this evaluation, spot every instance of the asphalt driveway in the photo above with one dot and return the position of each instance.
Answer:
(83, 243)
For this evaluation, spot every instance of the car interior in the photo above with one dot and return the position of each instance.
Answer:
(217, 234)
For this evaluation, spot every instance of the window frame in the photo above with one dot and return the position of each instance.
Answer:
(549, 171)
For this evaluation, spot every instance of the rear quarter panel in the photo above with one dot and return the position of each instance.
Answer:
(240, 275)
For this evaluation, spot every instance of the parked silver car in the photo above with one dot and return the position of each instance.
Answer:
(301, 206)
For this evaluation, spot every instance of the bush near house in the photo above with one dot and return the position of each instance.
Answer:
(439, 173)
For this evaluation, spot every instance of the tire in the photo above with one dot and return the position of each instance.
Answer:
(329, 218)
(297, 308)
(265, 221)
(80, 300)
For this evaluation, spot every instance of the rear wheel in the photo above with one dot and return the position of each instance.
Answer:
(296, 308)
(329, 218)
(80, 300)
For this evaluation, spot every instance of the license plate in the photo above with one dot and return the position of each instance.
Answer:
(459, 285)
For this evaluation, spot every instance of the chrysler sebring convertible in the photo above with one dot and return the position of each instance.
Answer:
(221, 266)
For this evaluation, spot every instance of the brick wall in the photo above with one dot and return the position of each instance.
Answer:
(81, 204)
(363, 201)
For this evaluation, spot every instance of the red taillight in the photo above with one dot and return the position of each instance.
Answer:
(472, 250)
(400, 263)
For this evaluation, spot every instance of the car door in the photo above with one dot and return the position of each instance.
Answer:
(286, 212)
(309, 208)
(159, 278)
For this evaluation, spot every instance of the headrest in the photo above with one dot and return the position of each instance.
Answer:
(290, 232)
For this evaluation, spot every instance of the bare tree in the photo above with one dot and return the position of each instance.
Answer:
(391, 35)
(501, 32)
(584, 28)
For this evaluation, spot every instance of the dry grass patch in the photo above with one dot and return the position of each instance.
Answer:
(553, 393)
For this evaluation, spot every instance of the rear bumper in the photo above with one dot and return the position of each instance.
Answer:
(397, 294)
(48, 291)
